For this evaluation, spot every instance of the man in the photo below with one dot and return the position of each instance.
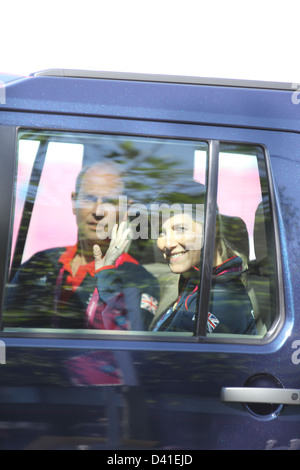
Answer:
(57, 287)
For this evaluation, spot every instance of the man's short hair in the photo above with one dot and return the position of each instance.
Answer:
(107, 164)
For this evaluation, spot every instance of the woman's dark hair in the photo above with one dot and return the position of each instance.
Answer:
(186, 197)
(186, 192)
(232, 238)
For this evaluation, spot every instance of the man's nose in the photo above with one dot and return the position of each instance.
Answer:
(98, 208)
(103, 209)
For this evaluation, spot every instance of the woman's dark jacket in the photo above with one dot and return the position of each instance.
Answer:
(230, 309)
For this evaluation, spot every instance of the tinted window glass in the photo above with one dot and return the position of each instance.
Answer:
(63, 206)
(142, 202)
(244, 239)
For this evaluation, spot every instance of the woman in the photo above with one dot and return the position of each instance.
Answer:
(180, 241)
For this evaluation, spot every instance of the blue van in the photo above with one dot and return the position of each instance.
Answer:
(147, 374)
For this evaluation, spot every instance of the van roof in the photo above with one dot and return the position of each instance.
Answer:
(163, 98)
(193, 80)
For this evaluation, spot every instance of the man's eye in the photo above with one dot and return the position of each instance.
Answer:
(181, 229)
(112, 202)
(87, 198)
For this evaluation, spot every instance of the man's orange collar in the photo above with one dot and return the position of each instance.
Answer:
(67, 257)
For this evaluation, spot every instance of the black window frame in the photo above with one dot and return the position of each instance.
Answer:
(8, 139)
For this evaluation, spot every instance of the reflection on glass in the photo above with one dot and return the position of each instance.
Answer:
(142, 202)
(80, 186)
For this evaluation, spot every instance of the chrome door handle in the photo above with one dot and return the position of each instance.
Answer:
(280, 396)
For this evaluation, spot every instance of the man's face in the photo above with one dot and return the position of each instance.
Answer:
(98, 192)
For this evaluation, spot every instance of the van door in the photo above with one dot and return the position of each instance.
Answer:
(79, 387)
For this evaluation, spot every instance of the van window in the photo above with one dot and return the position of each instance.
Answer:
(246, 228)
(71, 189)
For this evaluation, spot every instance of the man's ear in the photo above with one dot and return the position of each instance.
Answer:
(73, 198)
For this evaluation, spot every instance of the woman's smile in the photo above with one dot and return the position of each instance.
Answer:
(180, 242)
(175, 256)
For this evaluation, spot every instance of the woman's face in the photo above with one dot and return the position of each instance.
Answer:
(180, 242)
